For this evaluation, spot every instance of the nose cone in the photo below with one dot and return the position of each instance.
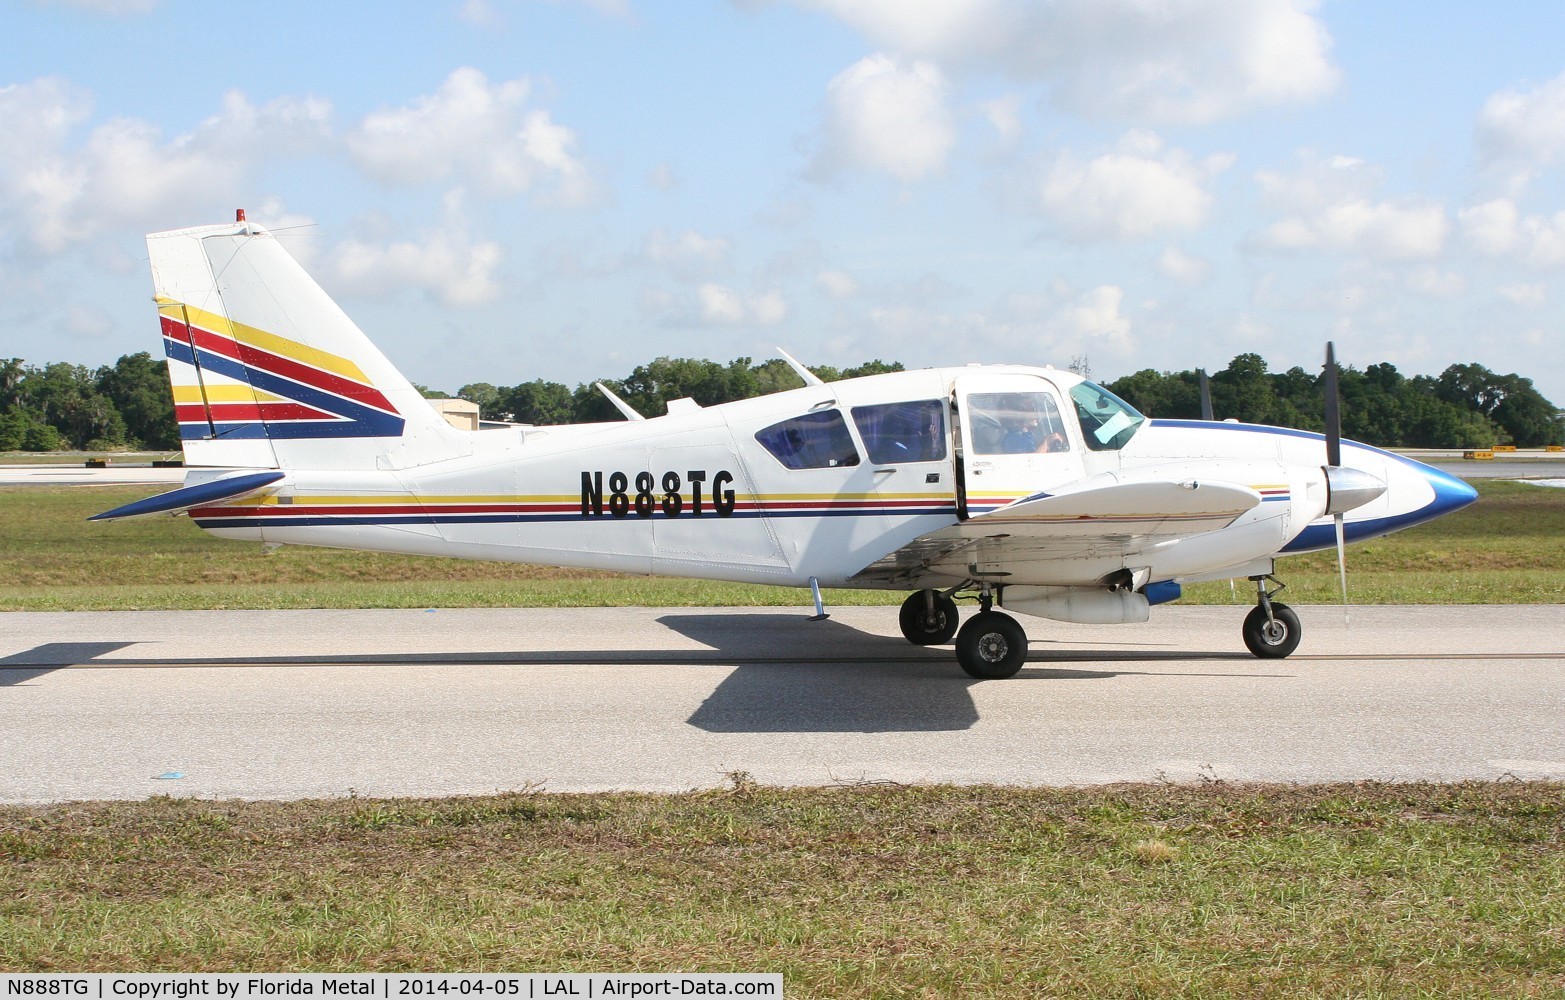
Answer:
(1451, 493)
(1347, 489)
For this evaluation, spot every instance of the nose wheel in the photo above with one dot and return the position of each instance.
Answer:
(1271, 629)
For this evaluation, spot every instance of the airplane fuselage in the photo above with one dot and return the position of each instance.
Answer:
(699, 493)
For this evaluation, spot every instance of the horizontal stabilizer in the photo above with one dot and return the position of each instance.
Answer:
(186, 497)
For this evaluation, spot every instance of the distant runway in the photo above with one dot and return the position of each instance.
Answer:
(78, 474)
(291, 704)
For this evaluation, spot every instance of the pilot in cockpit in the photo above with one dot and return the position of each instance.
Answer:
(1019, 418)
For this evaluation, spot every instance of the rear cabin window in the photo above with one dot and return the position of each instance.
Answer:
(812, 441)
(903, 432)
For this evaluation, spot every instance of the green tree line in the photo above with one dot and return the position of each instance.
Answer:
(1465, 406)
(648, 389)
(129, 404)
(59, 406)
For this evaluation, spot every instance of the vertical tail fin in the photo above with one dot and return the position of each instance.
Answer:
(268, 372)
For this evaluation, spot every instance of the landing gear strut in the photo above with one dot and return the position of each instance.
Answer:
(1271, 629)
(928, 618)
(992, 645)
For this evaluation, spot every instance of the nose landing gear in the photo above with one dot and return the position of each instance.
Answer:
(1271, 629)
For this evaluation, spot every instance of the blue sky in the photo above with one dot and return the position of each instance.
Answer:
(503, 190)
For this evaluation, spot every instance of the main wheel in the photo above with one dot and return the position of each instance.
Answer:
(991, 646)
(1273, 639)
(922, 629)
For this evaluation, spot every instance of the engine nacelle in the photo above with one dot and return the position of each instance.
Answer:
(1081, 605)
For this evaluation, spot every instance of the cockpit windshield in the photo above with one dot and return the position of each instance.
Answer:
(1107, 422)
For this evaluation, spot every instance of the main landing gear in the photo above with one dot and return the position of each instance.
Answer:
(991, 646)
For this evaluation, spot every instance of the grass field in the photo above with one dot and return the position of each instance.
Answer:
(1130, 891)
(1507, 548)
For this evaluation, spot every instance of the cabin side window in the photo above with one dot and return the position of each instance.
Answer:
(903, 432)
(813, 441)
(1016, 423)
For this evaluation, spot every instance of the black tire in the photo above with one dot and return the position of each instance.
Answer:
(1275, 639)
(921, 630)
(991, 646)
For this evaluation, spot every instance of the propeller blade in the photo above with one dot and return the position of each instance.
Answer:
(1333, 414)
(1334, 462)
(1342, 565)
(1206, 395)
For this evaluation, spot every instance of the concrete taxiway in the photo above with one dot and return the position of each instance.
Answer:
(291, 704)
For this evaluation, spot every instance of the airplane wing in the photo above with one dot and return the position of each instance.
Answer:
(1101, 517)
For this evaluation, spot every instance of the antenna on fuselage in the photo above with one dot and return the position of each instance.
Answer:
(810, 378)
(1206, 395)
(619, 404)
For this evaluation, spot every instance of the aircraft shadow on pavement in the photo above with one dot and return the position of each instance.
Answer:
(817, 677)
(19, 668)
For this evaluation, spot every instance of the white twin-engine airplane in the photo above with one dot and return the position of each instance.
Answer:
(1031, 489)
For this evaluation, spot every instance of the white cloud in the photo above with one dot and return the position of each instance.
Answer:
(480, 13)
(446, 262)
(62, 192)
(688, 255)
(294, 230)
(1004, 114)
(1139, 190)
(663, 177)
(1042, 325)
(1525, 294)
(1435, 283)
(1329, 205)
(1525, 124)
(884, 115)
(714, 305)
(1409, 229)
(1319, 182)
(475, 133)
(86, 321)
(1187, 269)
(1497, 228)
(1490, 228)
(615, 8)
(837, 284)
(114, 8)
(37, 117)
(719, 305)
(1186, 61)
(1096, 316)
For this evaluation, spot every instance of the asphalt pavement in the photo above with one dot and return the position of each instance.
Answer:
(299, 704)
